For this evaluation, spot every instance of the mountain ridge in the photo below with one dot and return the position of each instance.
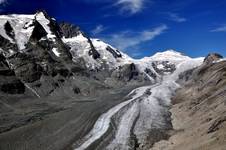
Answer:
(50, 48)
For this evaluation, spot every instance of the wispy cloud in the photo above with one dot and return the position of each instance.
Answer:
(128, 39)
(130, 6)
(98, 29)
(126, 7)
(2, 2)
(175, 17)
(221, 28)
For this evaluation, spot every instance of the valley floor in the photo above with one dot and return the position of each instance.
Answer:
(53, 124)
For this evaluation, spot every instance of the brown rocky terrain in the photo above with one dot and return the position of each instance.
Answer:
(199, 109)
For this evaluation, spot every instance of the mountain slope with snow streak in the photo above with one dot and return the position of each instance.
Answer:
(96, 54)
(23, 26)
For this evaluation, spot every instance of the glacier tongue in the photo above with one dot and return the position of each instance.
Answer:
(150, 102)
(154, 109)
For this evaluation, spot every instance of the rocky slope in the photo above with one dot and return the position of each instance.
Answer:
(198, 111)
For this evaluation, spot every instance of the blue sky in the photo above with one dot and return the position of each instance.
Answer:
(141, 27)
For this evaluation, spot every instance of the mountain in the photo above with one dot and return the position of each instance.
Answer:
(61, 89)
(44, 54)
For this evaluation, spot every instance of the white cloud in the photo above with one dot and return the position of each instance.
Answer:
(2, 2)
(131, 6)
(176, 17)
(98, 29)
(221, 28)
(128, 7)
(129, 39)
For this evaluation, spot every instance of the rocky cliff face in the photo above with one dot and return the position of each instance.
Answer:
(43, 54)
(198, 111)
(33, 50)
(9, 83)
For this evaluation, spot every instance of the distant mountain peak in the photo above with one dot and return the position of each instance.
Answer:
(168, 55)
(169, 52)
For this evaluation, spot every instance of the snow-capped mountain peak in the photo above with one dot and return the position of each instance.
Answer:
(22, 27)
(68, 42)
(109, 56)
(169, 52)
(44, 21)
(168, 55)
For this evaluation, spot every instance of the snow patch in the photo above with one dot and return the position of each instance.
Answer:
(80, 48)
(168, 55)
(55, 51)
(32, 90)
(220, 60)
(160, 66)
(18, 22)
(40, 17)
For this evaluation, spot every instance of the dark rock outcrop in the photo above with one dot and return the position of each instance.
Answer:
(69, 30)
(93, 52)
(9, 30)
(116, 54)
(216, 124)
(212, 57)
(167, 67)
(126, 72)
(150, 73)
(12, 87)
(6, 45)
(9, 83)
(29, 72)
(38, 32)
